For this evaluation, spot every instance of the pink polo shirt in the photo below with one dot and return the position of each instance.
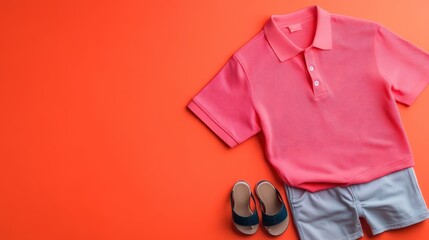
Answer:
(322, 89)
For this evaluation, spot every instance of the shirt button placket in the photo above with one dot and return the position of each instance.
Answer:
(318, 85)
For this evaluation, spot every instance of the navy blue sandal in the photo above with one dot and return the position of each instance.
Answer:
(244, 218)
(275, 217)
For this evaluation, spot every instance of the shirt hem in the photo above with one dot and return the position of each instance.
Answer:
(363, 177)
(201, 114)
(387, 169)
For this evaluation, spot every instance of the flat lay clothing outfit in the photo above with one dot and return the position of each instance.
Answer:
(322, 88)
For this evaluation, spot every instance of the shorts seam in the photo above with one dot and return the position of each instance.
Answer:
(406, 223)
(356, 202)
(416, 186)
(294, 213)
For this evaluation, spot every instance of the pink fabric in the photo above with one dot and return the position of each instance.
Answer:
(321, 87)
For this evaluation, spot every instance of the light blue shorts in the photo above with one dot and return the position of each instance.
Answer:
(390, 202)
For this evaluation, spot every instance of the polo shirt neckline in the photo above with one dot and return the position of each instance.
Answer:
(283, 47)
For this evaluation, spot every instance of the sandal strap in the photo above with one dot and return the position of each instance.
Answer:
(271, 220)
(244, 221)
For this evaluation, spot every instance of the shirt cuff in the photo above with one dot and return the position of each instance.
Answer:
(216, 128)
(417, 90)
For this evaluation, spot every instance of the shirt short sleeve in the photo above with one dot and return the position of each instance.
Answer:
(225, 104)
(404, 65)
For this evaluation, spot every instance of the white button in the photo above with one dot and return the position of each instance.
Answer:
(316, 83)
(311, 68)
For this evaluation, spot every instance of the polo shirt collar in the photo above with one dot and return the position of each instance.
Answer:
(283, 47)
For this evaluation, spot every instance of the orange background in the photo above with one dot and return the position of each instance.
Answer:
(96, 140)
